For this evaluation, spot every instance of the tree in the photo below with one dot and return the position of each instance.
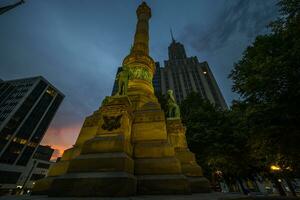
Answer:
(212, 134)
(267, 78)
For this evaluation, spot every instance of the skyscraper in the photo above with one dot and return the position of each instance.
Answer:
(157, 79)
(184, 75)
(37, 168)
(27, 107)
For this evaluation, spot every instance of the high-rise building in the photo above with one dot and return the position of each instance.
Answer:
(184, 75)
(37, 168)
(27, 107)
(156, 81)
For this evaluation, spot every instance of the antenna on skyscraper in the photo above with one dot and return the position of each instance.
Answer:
(173, 40)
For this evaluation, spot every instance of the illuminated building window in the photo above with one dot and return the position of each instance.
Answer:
(51, 92)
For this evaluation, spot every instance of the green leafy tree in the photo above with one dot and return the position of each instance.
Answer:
(267, 78)
(215, 136)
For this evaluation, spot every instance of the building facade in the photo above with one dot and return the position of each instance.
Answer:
(27, 107)
(157, 79)
(37, 168)
(184, 75)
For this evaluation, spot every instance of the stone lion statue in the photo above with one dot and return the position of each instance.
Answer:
(173, 109)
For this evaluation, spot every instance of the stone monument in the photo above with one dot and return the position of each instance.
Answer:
(128, 146)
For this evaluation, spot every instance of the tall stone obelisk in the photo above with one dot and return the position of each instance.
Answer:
(128, 146)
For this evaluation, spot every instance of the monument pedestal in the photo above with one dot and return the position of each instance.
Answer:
(189, 166)
(103, 166)
(126, 153)
(163, 184)
(42, 186)
(111, 184)
(127, 147)
(157, 169)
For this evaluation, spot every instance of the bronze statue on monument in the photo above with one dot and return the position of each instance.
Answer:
(173, 109)
(122, 78)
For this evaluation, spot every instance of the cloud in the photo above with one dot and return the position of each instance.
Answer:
(241, 17)
(221, 36)
(61, 138)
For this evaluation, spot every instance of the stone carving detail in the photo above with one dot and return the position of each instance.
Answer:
(111, 122)
(173, 109)
(93, 120)
(105, 101)
(140, 73)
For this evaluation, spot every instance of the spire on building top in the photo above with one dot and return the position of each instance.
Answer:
(176, 49)
(173, 40)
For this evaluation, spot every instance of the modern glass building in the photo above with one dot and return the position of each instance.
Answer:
(27, 107)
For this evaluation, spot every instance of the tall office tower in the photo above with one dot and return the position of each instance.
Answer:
(185, 74)
(27, 107)
(37, 168)
(156, 81)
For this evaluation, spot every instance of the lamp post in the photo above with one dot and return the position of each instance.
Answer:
(275, 169)
(279, 170)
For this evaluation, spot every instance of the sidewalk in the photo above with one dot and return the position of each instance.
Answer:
(200, 196)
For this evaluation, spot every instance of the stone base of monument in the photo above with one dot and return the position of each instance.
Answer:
(189, 166)
(199, 184)
(112, 184)
(104, 162)
(163, 184)
(42, 186)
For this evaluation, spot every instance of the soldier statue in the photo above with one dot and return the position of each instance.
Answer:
(122, 78)
(173, 109)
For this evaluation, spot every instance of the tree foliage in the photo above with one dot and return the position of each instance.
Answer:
(211, 134)
(263, 128)
(267, 78)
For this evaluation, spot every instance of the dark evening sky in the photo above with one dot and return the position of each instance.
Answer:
(78, 44)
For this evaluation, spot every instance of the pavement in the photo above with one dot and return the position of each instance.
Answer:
(200, 196)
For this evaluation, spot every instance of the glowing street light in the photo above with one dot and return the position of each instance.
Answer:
(275, 168)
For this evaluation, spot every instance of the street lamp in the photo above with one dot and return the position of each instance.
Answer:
(275, 168)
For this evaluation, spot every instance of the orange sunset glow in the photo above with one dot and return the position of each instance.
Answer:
(61, 138)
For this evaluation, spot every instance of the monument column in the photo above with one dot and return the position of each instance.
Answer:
(126, 147)
(140, 65)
